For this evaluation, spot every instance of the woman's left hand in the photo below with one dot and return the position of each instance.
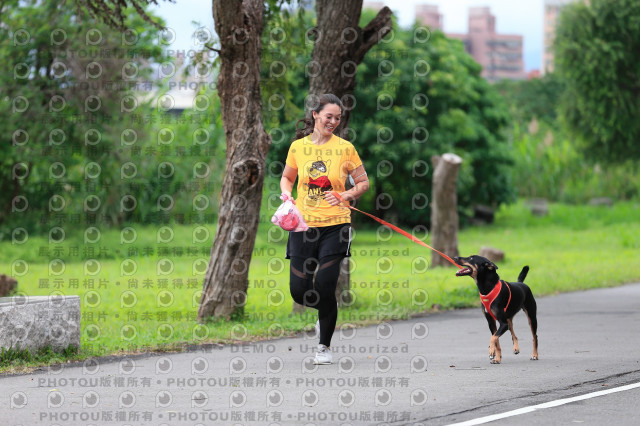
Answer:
(332, 200)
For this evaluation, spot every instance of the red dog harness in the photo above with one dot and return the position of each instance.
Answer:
(488, 299)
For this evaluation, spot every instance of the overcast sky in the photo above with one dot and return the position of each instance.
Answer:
(523, 17)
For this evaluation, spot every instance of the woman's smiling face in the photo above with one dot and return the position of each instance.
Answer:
(327, 119)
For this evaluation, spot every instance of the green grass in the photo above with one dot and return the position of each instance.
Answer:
(13, 358)
(572, 248)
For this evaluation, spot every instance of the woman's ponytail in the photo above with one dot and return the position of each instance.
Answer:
(305, 129)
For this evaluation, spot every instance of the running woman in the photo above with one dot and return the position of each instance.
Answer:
(322, 162)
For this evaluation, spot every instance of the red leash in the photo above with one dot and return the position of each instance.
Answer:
(395, 228)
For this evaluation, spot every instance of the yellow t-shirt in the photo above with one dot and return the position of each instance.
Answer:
(322, 168)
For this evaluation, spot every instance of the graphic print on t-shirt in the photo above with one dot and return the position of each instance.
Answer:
(318, 179)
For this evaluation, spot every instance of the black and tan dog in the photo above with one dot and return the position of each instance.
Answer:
(501, 301)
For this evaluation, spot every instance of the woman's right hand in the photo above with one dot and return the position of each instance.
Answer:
(286, 196)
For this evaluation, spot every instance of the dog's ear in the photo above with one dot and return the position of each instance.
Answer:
(490, 266)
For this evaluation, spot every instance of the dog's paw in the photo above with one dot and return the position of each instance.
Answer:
(534, 358)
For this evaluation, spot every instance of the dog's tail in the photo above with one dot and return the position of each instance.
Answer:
(523, 274)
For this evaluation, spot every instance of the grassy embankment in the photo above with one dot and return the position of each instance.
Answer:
(574, 247)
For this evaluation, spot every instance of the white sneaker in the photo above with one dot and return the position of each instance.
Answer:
(323, 356)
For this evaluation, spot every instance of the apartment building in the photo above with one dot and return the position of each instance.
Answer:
(499, 54)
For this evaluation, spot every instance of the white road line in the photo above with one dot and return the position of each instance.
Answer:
(550, 404)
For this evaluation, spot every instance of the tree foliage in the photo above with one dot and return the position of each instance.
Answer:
(75, 145)
(596, 51)
(535, 98)
(421, 96)
(115, 13)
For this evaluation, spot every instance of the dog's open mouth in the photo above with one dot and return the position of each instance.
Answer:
(463, 272)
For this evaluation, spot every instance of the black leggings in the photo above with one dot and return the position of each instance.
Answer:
(320, 295)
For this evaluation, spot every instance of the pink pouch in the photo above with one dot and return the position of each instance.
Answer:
(289, 218)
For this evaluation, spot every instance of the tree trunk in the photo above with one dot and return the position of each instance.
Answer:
(239, 27)
(444, 207)
(339, 47)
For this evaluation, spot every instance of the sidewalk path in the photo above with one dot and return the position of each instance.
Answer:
(433, 369)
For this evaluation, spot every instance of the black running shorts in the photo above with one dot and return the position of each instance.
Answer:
(320, 242)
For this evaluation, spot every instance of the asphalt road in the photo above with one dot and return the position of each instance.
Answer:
(429, 370)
